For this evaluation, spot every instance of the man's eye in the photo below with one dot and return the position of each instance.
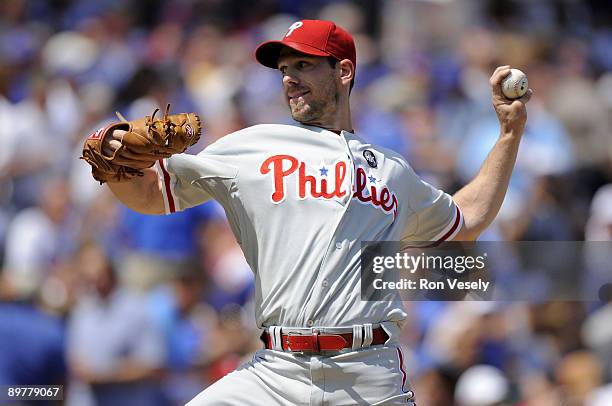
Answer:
(303, 64)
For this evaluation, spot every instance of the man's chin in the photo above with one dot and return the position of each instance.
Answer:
(302, 115)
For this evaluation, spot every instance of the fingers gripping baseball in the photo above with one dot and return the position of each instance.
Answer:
(511, 113)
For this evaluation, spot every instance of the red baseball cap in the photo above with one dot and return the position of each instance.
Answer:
(312, 37)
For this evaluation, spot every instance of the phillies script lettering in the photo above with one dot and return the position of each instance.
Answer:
(283, 166)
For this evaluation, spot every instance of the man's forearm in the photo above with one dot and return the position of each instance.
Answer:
(142, 194)
(481, 199)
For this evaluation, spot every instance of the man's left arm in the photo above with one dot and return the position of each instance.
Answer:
(481, 199)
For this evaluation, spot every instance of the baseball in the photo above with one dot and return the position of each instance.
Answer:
(515, 85)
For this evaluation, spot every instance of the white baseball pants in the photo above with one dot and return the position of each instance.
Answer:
(370, 376)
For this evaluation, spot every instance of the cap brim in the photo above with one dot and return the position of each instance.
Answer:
(267, 53)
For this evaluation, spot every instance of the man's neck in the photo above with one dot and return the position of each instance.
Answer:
(337, 124)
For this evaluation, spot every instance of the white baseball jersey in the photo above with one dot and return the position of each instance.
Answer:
(300, 200)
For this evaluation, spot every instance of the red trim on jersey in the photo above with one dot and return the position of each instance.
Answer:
(400, 356)
(450, 232)
(455, 225)
(171, 205)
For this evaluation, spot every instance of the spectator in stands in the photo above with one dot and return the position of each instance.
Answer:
(114, 347)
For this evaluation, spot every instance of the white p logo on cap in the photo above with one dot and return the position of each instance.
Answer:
(294, 27)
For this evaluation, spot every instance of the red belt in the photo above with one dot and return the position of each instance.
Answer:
(316, 342)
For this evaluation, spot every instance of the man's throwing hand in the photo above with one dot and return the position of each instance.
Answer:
(511, 113)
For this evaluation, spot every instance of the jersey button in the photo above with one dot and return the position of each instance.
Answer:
(325, 283)
(310, 323)
(339, 245)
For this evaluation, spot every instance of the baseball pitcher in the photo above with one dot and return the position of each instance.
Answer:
(300, 199)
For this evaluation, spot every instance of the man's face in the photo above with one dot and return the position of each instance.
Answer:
(309, 86)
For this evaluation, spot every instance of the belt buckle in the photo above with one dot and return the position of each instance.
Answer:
(314, 343)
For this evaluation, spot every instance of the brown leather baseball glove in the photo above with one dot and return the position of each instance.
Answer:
(146, 141)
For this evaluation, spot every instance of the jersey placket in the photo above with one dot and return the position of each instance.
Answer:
(335, 245)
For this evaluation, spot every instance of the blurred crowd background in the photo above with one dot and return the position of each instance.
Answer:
(128, 309)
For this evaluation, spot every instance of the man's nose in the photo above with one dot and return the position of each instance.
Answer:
(290, 78)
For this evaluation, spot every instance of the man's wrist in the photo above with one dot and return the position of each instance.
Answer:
(511, 133)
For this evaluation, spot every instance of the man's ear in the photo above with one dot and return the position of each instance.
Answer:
(347, 71)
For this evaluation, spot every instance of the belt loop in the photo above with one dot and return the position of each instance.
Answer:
(276, 338)
(357, 336)
(368, 335)
(315, 340)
